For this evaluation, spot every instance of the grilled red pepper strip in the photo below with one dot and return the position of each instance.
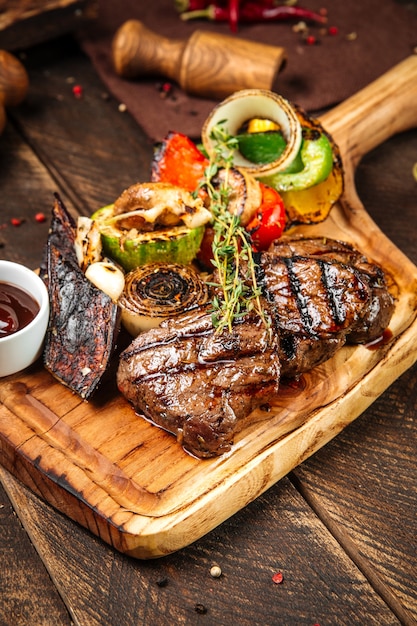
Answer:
(178, 161)
(254, 12)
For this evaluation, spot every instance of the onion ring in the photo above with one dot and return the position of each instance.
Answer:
(248, 104)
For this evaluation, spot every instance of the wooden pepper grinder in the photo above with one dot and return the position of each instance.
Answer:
(208, 64)
(14, 84)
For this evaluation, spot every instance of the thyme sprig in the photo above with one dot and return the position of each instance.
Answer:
(239, 292)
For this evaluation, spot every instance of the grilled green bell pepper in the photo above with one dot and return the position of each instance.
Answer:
(311, 166)
(315, 159)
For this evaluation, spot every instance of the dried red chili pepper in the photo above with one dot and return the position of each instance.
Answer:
(234, 8)
(254, 12)
(191, 5)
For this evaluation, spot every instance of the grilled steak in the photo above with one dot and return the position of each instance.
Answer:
(201, 385)
(315, 303)
(197, 384)
(376, 317)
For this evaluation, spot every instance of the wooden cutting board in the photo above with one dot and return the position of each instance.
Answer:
(129, 482)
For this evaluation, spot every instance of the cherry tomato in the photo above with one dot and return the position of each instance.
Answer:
(269, 221)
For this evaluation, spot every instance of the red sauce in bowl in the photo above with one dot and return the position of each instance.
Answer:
(17, 309)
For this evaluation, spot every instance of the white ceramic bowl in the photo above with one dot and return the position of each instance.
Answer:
(22, 348)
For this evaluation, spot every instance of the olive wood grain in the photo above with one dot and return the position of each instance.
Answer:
(185, 497)
(208, 64)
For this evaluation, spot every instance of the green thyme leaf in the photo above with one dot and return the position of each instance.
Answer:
(231, 243)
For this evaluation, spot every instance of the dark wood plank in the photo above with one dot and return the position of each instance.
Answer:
(370, 504)
(27, 189)
(23, 24)
(93, 150)
(388, 188)
(27, 594)
(44, 148)
(278, 532)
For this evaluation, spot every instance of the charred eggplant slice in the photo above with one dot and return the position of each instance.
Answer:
(84, 321)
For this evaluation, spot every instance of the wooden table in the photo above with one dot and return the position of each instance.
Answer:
(341, 527)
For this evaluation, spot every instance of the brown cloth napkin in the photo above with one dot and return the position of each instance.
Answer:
(372, 36)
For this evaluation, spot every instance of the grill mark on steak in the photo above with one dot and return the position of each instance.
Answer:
(302, 303)
(335, 297)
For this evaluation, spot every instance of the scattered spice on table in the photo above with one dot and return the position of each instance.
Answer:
(200, 609)
(278, 578)
(165, 89)
(215, 571)
(16, 221)
(77, 91)
(40, 217)
(311, 40)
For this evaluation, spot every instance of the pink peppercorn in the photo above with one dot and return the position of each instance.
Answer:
(16, 221)
(277, 578)
(311, 40)
(333, 30)
(77, 90)
(40, 217)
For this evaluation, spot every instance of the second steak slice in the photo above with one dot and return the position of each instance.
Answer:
(197, 384)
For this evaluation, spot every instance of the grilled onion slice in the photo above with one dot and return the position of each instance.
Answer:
(156, 292)
(247, 104)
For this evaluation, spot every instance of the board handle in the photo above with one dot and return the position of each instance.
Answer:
(384, 108)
